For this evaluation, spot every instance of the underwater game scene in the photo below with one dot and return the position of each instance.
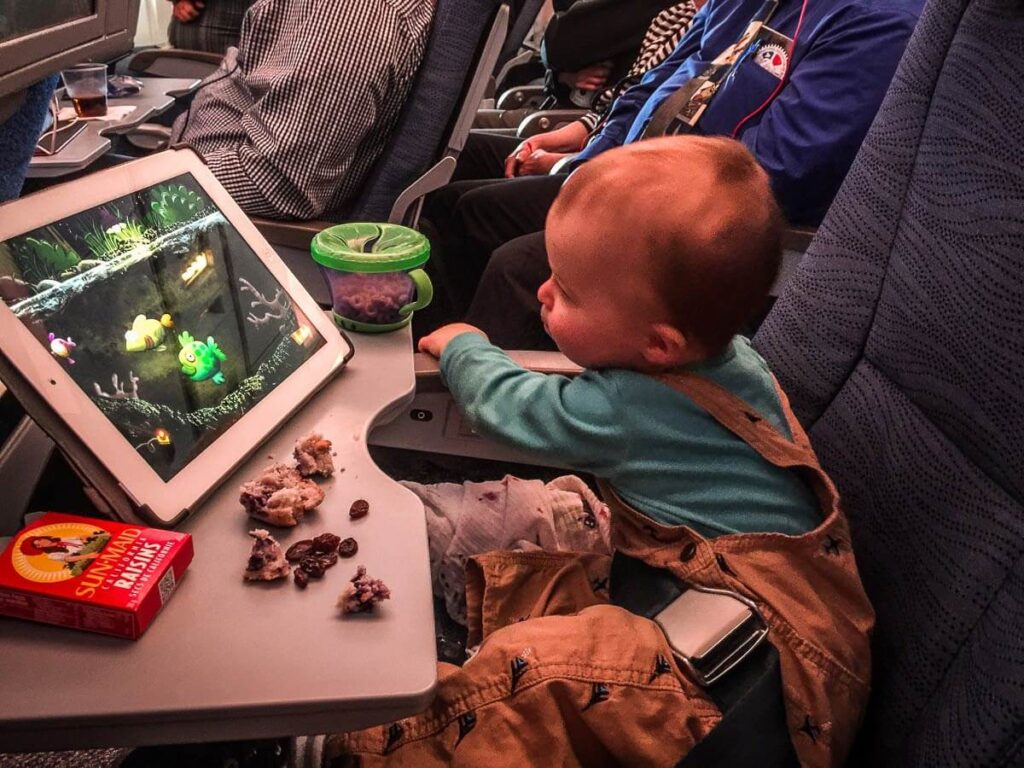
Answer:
(161, 313)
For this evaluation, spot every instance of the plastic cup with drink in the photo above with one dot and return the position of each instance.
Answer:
(86, 86)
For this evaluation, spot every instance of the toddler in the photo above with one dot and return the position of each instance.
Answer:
(659, 253)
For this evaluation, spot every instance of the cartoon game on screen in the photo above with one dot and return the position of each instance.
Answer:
(160, 312)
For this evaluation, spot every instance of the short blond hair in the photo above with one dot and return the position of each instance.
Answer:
(701, 212)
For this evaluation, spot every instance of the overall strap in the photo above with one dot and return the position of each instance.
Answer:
(738, 417)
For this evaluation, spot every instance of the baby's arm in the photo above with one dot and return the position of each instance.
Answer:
(573, 421)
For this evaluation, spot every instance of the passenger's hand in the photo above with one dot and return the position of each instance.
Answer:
(568, 138)
(187, 11)
(519, 154)
(591, 78)
(434, 343)
(539, 163)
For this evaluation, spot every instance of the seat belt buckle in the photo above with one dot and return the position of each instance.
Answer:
(711, 631)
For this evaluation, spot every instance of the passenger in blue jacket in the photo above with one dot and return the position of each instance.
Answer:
(797, 82)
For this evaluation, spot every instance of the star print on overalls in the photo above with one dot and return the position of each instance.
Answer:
(467, 723)
(661, 666)
(810, 729)
(395, 732)
(518, 666)
(598, 693)
(833, 546)
(723, 565)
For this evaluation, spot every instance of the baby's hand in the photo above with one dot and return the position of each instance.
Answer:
(434, 343)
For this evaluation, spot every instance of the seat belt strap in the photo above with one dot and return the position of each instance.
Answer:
(752, 732)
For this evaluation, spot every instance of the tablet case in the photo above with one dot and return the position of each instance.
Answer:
(108, 495)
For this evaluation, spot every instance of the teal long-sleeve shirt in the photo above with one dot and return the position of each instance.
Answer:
(660, 451)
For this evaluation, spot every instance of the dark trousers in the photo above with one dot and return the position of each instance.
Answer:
(474, 215)
(505, 306)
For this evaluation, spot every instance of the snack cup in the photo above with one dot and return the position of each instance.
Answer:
(374, 274)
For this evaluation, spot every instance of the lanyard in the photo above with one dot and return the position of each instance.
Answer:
(683, 109)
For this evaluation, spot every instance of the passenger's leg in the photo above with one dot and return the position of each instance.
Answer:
(483, 217)
(481, 163)
(484, 155)
(444, 238)
(505, 305)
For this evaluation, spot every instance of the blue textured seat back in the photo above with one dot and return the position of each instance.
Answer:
(18, 137)
(900, 341)
(456, 36)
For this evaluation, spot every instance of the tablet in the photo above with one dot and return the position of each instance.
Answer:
(149, 328)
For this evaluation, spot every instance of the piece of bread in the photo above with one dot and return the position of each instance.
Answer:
(313, 456)
(363, 593)
(280, 496)
(266, 560)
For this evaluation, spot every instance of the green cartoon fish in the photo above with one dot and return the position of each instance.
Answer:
(200, 360)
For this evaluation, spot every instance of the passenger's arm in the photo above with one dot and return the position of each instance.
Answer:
(563, 141)
(624, 110)
(809, 135)
(572, 421)
(309, 119)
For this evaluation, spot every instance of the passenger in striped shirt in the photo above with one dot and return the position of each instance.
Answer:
(297, 115)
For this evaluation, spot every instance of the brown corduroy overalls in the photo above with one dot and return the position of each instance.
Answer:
(564, 679)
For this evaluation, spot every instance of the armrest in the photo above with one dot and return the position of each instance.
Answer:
(521, 96)
(428, 371)
(548, 120)
(149, 136)
(290, 234)
(499, 118)
(174, 62)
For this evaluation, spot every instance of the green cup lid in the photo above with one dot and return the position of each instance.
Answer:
(360, 247)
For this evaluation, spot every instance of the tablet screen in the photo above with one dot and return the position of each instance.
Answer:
(161, 313)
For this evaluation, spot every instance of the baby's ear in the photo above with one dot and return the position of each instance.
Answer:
(666, 347)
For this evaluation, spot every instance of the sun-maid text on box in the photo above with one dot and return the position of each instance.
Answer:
(94, 575)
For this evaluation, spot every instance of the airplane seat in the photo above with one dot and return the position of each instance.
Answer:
(900, 341)
(173, 62)
(420, 156)
(432, 121)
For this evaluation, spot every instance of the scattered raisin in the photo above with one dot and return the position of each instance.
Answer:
(348, 547)
(328, 559)
(301, 578)
(360, 508)
(312, 566)
(326, 542)
(298, 550)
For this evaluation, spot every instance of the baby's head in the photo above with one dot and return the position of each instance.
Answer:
(660, 251)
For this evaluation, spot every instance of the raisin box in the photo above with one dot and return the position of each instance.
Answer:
(95, 575)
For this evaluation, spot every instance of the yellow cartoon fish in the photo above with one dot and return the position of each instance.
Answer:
(146, 333)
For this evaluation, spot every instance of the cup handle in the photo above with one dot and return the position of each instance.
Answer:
(424, 292)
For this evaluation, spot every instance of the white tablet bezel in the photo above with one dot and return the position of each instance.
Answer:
(165, 503)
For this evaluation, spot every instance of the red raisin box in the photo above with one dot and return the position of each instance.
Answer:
(94, 575)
